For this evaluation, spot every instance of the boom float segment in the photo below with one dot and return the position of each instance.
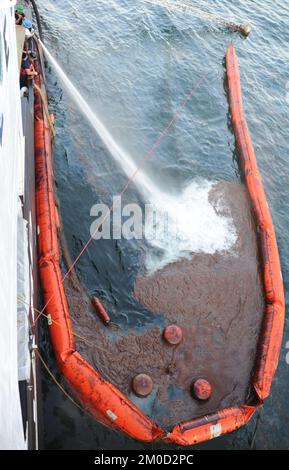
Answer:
(273, 324)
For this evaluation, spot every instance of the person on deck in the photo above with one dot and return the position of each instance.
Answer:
(19, 18)
(28, 25)
(27, 70)
(19, 14)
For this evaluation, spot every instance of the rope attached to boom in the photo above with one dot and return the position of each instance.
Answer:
(45, 107)
(181, 7)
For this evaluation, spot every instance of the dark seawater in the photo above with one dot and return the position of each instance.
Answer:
(135, 63)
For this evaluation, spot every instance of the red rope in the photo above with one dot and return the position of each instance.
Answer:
(128, 183)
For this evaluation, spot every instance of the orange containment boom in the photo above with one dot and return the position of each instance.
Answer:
(274, 315)
(96, 394)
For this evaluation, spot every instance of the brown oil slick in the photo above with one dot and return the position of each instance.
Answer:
(218, 302)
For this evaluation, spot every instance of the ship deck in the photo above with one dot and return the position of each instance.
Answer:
(20, 39)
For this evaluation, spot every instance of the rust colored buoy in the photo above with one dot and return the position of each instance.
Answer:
(245, 29)
(173, 334)
(202, 389)
(142, 385)
(100, 310)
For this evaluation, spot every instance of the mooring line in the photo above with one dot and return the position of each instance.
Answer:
(81, 408)
(182, 7)
(48, 317)
(57, 382)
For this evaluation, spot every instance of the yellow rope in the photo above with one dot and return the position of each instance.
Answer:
(45, 107)
(48, 317)
(56, 381)
(53, 376)
(66, 393)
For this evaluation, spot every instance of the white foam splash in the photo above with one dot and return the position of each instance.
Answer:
(193, 225)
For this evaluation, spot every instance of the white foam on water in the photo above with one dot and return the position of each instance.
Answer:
(193, 223)
(188, 224)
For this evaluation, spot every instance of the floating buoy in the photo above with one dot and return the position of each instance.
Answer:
(244, 28)
(142, 385)
(173, 334)
(202, 389)
(100, 310)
